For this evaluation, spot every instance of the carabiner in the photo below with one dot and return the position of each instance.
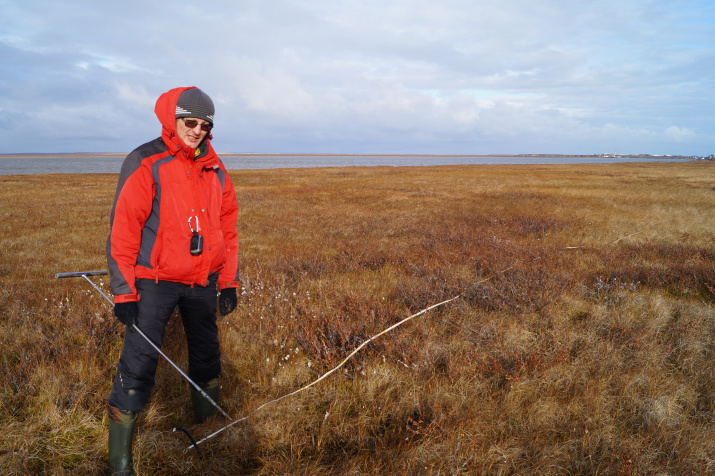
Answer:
(198, 229)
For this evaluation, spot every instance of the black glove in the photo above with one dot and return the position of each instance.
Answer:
(227, 301)
(127, 312)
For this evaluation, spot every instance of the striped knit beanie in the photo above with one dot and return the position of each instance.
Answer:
(195, 103)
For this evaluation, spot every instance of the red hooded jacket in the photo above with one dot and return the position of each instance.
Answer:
(164, 187)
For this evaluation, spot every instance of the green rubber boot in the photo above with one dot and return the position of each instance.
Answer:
(203, 409)
(121, 432)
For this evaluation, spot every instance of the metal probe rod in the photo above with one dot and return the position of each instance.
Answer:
(84, 274)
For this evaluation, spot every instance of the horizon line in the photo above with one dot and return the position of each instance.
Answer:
(332, 154)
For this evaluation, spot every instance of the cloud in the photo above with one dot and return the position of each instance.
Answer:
(134, 94)
(454, 76)
(679, 134)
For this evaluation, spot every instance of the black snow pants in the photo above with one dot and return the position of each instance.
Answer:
(134, 379)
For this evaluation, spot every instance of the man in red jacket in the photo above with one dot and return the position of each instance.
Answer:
(173, 242)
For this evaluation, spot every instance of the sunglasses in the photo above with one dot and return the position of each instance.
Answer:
(191, 123)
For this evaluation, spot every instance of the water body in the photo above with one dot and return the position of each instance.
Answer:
(103, 164)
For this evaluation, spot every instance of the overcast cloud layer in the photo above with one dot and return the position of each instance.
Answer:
(364, 76)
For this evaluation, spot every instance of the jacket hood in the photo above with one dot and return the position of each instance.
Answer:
(165, 110)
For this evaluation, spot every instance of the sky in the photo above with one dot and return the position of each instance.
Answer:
(363, 76)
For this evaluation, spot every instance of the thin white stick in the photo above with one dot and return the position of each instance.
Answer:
(327, 373)
(623, 238)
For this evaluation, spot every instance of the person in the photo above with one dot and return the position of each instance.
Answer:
(172, 242)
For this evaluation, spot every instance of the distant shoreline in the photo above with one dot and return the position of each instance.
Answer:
(266, 154)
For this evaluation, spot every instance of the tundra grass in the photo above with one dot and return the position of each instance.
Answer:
(581, 341)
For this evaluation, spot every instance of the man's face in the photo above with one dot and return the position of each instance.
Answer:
(191, 136)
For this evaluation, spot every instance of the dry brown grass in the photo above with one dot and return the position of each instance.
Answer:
(582, 342)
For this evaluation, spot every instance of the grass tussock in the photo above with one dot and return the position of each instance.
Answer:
(581, 341)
